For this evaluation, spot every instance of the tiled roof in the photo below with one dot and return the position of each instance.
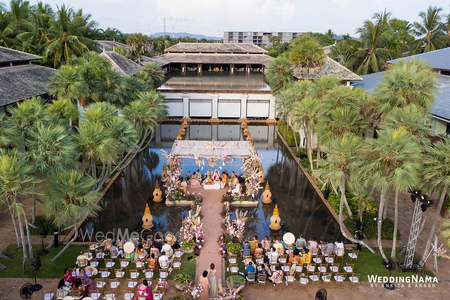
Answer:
(438, 59)
(11, 55)
(120, 63)
(214, 48)
(329, 68)
(194, 58)
(109, 45)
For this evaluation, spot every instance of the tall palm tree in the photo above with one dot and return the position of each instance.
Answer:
(407, 82)
(19, 16)
(306, 53)
(27, 115)
(8, 134)
(436, 172)
(5, 32)
(16, 178)
(390, 161)
(305, 114)
(64, 109)
(337, 169)
(70, 200)
(279, 74)
(373, 52)
(66, 36)
(138, 44)
(430, 31)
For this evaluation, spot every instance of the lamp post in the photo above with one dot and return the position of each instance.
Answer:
(421, 204)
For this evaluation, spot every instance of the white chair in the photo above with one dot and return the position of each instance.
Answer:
(322, 268)
(282, 259)
(110, 294)
(100, 284)
(119, 274)
(149, 274)
(163, 274)
(110, 264)
(176, 264)
(131, 284)
(299, 269)
(290, 279)
(232, 259)
(94, 264)
(114, 284)
(348, 269)
(105, 274)
(128, 296)
(326, 278)
(260, 260)
(95, 296)
(334, 268)
(49, 296)
(303, 281)
(285, 268)
(134, 274)
(314, 277)
(178, 253)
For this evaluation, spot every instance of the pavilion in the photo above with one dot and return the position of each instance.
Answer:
(20, 79)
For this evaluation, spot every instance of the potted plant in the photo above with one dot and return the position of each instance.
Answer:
(235, 281)
(233, 248)
(188, 247)
(181, 280)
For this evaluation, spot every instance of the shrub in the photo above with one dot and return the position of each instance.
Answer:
(234, 248)
(334, 201)
(189, 245)
(287, 133)
(182, 278)
(370, 226)
(41, 223)
(446, 203)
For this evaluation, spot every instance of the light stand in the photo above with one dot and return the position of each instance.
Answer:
(43, 235)
(390, 266)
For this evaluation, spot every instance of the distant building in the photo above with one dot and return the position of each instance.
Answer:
(109, 45)
(257, 38)
(216, 81)
(20, 79)
(440, 110)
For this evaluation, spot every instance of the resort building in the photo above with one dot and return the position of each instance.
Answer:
(216, 81)
(257, 38)
(440, 110)
(20, 79)
(109, 45)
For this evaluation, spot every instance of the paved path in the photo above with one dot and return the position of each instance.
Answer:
(211, 209)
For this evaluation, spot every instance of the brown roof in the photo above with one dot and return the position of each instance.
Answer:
(109, 45)
(120, 63)
(329, 68)
(10, 55)
(214, 48)
(193, 58)
(22, 82)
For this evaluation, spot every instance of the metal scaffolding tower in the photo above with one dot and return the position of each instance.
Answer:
(413, 235)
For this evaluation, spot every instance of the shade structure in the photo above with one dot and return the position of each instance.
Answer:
(212, 149)
(128, 247)
(289, 238)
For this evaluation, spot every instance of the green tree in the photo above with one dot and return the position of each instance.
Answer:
(64, 109)
(337, 170)
(68, 83)
(436, 170)
(306, 53)
(70, 200)
(279, 74)
(139, 44)
(19, 17)
(430, 31)
(407, 82)
(373, 51)
(5, 31)
(67, 36)
(155, 74)
(392, 160)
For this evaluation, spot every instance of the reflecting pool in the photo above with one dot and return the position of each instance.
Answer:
(301, 209)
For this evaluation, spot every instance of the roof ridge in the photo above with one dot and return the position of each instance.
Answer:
(15, 50)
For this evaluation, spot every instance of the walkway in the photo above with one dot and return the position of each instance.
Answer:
(211, 209)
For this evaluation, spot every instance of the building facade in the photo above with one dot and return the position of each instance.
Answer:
(257, 38)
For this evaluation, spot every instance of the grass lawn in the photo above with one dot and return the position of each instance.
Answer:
(367, 264)
(48, 269)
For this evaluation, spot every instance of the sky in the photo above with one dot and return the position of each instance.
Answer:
(213, 17)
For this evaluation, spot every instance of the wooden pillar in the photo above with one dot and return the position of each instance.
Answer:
(199, 69)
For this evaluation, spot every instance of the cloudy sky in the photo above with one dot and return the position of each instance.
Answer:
(212, 17)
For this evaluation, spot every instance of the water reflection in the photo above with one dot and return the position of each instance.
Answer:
(301, 209)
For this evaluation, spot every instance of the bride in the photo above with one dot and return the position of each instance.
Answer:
(216, 176)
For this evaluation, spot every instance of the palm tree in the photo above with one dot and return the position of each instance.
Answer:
(373, 53)
(337, 169)
(68, 83)
(436, 172)
(445, 232)
(305, 114)
(430, 31)
(407, 82)
(5, 32)
(306, 53)
(27, 115)
(110, 88)
(138, 44)
(155, 74)
(8, 134)
(402, 34)
(70, 200)
(19, 16)
(64, 109)
(67, 36)
(16, 177)
(392, 160)
(279, 74)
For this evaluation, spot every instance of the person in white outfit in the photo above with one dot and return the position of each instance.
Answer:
(167, 249)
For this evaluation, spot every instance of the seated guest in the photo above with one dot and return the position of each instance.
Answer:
(195, 182)
(237, 190)
(312, 245)
(278, 247)
(87, 282)
(78, 286)
(245, 246)
(69, 278)
(163, 261)
(153, 263)
(176, 245)
(167, 249)
(277, 276)
(224, 180)
(273, 256)
(141, 254)
(113, 250)
(300, 243)
(208, 179)
(266, 243)
(216, 176)
(340, 249)
(233, 181)
(258, 250)
(307, 256)
(154, 250)
(144, 292)
(294, 257)
(329, 248)
(254, 243)
(107, 243)
(250, 268)
(158, 242)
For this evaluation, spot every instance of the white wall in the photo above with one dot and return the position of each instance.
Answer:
(229, 108)
(200, 108)
(175, 107)
(258, 108)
